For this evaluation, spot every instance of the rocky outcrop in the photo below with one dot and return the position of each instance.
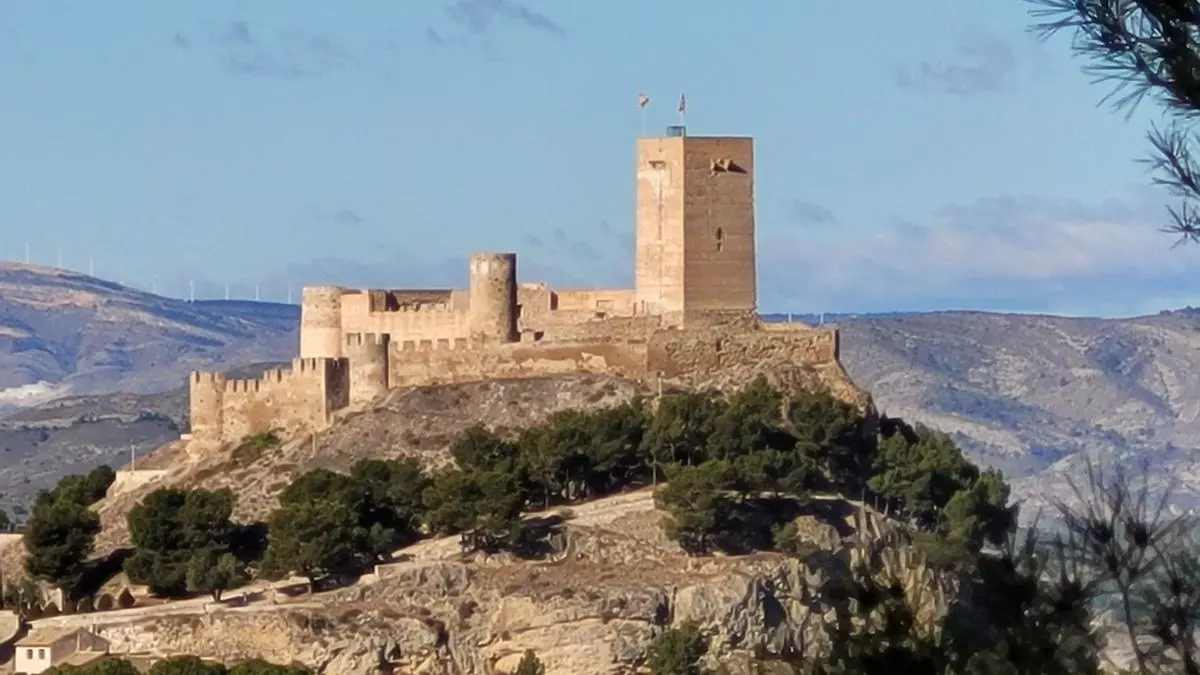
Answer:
(593, 609)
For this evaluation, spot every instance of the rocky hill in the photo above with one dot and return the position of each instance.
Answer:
(590, 607)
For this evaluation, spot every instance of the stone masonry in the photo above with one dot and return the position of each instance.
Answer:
(690, 317)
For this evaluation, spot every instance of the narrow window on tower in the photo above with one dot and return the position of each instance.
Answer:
(720, 238)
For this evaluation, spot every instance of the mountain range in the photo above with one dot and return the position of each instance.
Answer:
(91, 371)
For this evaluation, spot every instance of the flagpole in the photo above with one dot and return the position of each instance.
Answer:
(643, 104)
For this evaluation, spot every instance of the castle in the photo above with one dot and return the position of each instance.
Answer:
(690, 317)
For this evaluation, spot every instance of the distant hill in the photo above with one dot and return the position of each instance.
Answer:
(1035, 395)
(64, 333)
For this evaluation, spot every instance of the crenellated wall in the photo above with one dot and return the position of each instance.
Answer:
(368, 357)
(441, 365)
(431, 321)
(303, 397)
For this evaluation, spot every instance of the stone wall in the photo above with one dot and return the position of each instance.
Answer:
(287, 400)
(441, 366)
(127, 480)
(427, 321)
(675, 353)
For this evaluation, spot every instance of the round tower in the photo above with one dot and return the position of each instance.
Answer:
(321, 322)
(368, 356)
(492, 315)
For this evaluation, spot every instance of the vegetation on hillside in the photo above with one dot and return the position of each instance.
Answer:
(731, 474)
(178, 665)
(61, 530)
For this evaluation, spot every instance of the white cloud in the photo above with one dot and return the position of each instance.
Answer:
(1003, 253)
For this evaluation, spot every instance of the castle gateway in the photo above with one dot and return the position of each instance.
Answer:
(690, 316)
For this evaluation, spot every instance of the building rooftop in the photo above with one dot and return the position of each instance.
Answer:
(42, 637)
(81, 658)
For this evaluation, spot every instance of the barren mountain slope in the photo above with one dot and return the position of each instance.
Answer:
(67, 333)
(1033, 395)
(39, 445)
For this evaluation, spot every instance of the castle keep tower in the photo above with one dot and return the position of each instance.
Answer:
(695, 225)
(321, 322)
(492, 313)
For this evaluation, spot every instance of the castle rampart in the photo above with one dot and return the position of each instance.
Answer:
(300, 398)
(690, 316)
(368, 357)
(514, 360)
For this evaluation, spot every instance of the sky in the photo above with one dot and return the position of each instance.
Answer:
(908, 157)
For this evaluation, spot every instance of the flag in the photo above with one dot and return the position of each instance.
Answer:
(682, 104)
(643, 100)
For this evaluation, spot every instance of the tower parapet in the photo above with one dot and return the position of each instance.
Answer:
(368, 357)
(492, 313)
(206, 393)
(321, 322)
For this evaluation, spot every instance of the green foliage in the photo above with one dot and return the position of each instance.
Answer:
(677, 651)
(186, 665)
(484, 507)
(382, 496)
(530, 665)
(260, 667)
(85, 489)
(252, 448)
(179, 665)
(314, 537)
(176, 533)
(214, 573)
(103, 666)
(696, 498)
(61, 530)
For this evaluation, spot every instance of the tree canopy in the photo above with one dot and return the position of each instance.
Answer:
(183, 541)
(1144, 48)
(60, 532)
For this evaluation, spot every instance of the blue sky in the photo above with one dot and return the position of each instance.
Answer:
(930, 157)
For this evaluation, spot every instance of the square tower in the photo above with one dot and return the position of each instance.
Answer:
(695, 226)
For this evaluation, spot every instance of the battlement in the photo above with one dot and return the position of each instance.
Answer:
(432, 345)
(203, 377)
(301, 397)
(366, 339)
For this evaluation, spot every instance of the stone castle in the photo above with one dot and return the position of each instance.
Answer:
(690, 318)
